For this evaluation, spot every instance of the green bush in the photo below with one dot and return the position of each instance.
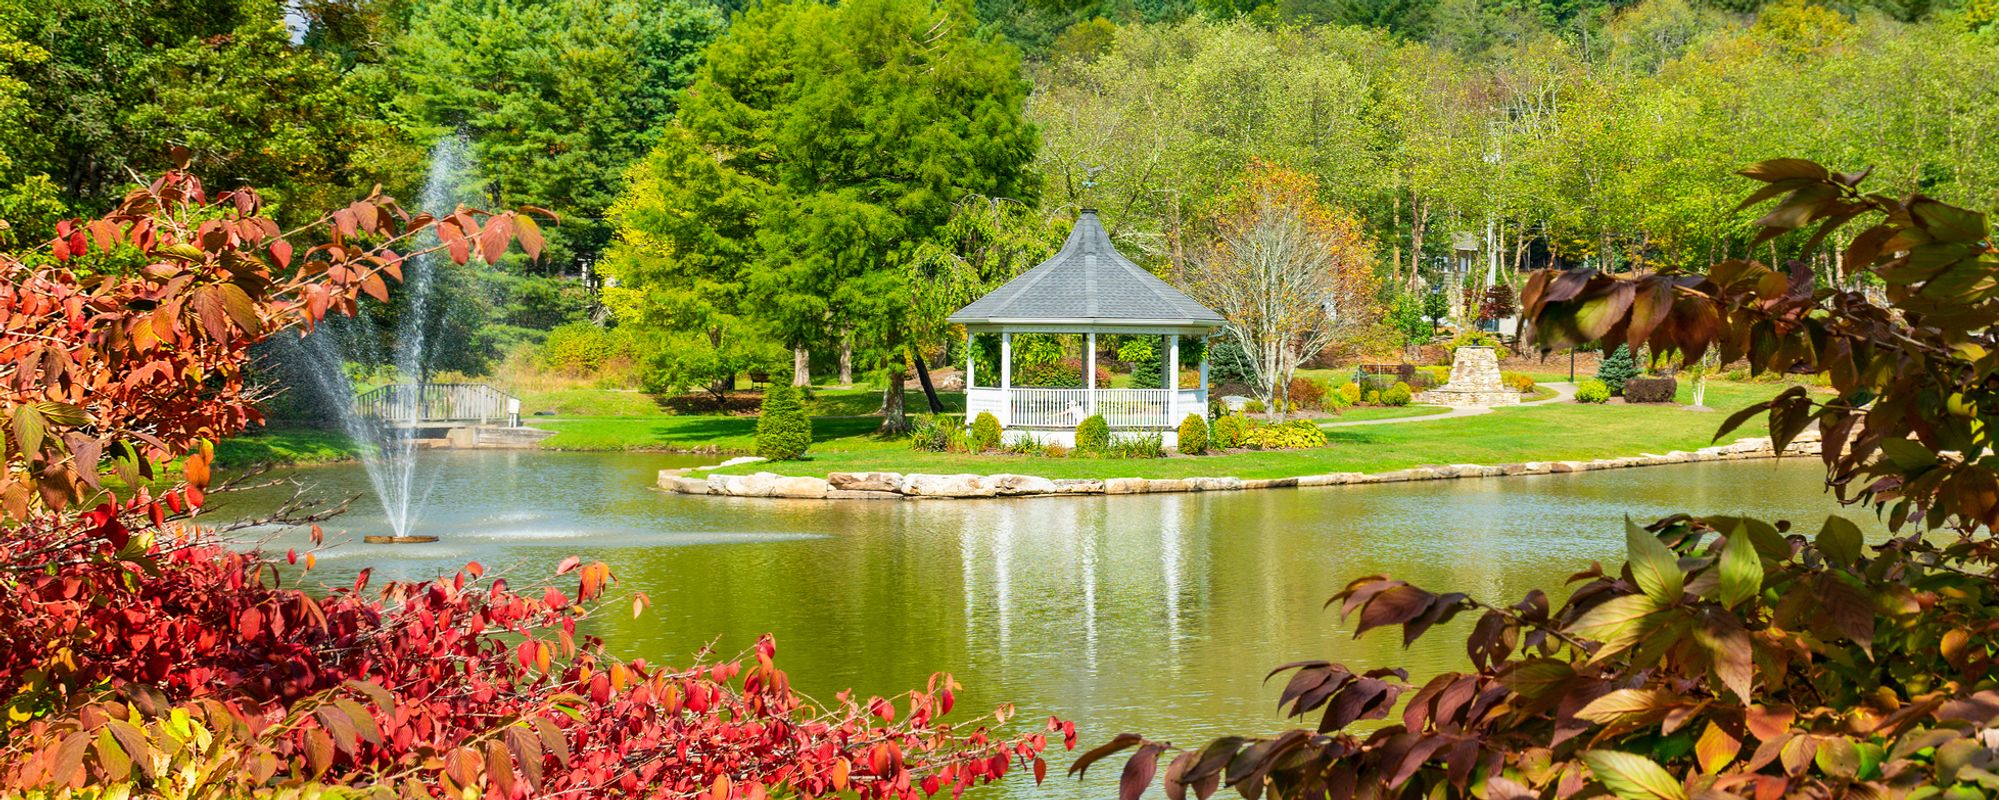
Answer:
(1138, 445)
(1148, 365)
(1397, 395)
(1592, 390)
(1254, 407)
(1617, 368)
(783, 430)
(985, 431)
(1349, 394)
(934, 434)
(1193, 435)
(1228, 430)
(1094, 435)
(580, 348)
(1475, 338)
(1294, 435)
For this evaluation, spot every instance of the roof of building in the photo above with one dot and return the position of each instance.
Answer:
(1088, 282)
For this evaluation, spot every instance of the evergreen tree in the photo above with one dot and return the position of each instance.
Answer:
(1617, 368)
(783, 431)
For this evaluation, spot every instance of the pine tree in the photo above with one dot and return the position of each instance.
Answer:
(783, 430)
(1617, 368)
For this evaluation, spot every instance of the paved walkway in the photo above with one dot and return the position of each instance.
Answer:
(1564, 392)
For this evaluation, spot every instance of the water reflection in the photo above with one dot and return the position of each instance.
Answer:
(1150, 613)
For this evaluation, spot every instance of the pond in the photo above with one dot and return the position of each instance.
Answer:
(1154, 613)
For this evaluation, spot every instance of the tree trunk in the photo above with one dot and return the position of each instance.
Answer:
(801, 366)
(894, 419)
(1419, 219)
(923, 377)
(846, 358)
(1395, 218)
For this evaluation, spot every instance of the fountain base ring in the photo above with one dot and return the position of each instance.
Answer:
(398, 539)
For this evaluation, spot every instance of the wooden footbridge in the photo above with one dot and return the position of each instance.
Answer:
(439, 405)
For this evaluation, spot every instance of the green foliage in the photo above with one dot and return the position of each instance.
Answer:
(1148, 364)
(1254, 407)
(557, 98)
(1617, 368)
(1348, 393)
(1136, 445)
(986, 431)
(1405, 315)
(1228, 431)
(1397, 395)
(1294, 435)
(783, 431)
(1193, 435)
(581, 348)
(1437, 307)
(1591, 390)
(935, 434)
(1036, 350)
(1093, 436)
(1473, 337)
(677, 362)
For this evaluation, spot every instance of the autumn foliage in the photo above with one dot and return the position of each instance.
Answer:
(136, 650)
(1727, 657)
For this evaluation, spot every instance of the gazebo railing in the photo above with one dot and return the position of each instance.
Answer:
(1063, 408)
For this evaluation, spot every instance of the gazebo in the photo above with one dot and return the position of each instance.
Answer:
(1088, 289)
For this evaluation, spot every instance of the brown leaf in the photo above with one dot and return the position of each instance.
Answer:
(1118, 742)
(1393, 607)
(1716, 748)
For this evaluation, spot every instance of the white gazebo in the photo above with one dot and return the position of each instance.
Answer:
(1087, 289)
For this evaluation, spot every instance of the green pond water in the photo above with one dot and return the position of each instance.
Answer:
(1158, 614)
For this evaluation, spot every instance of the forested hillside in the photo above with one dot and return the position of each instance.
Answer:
(1487, 135)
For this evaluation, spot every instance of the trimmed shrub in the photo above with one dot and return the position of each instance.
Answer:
(1349, 393)
(1228, 431)
(1617, 368)
(1306, 393)
(1294, 435)
(1254, 407)
(985, 431)
(1337, 400)
(783, 430)
(1194, 435)
(1651, 389)
(1093, 435)
(1397, 395)
(1592, 391)
(1475, 338)
(1517, 381)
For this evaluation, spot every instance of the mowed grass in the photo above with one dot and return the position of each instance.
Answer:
(284, 446)
(1554, 432)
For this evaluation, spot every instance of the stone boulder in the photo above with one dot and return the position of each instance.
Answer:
(865, 481)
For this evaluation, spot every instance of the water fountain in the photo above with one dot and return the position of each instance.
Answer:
(388, 450)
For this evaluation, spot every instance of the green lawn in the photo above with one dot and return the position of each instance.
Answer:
(284, 446)
(690, 433)
(1363, 413)
(1555, 432)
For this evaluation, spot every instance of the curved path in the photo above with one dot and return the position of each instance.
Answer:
(1564, 391)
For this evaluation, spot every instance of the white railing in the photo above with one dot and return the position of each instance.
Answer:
(409, 404)
(1122, 408)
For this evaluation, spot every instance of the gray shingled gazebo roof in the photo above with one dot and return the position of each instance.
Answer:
(1087, 284)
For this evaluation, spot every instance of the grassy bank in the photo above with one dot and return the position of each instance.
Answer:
(1555, 432)
(284, 446)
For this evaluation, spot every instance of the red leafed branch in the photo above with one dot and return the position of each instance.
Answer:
(135, 650)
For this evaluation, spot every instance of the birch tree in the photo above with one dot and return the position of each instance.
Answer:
(1290, 275)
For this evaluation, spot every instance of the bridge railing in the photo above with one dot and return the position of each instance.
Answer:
(410, 403)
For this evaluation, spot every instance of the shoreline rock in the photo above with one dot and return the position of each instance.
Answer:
(968, 486)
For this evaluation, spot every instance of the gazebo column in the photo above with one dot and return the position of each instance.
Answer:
(970, 361)
(1090, 372)
(1172, 379)
(1205, 405)
(1006, 378)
